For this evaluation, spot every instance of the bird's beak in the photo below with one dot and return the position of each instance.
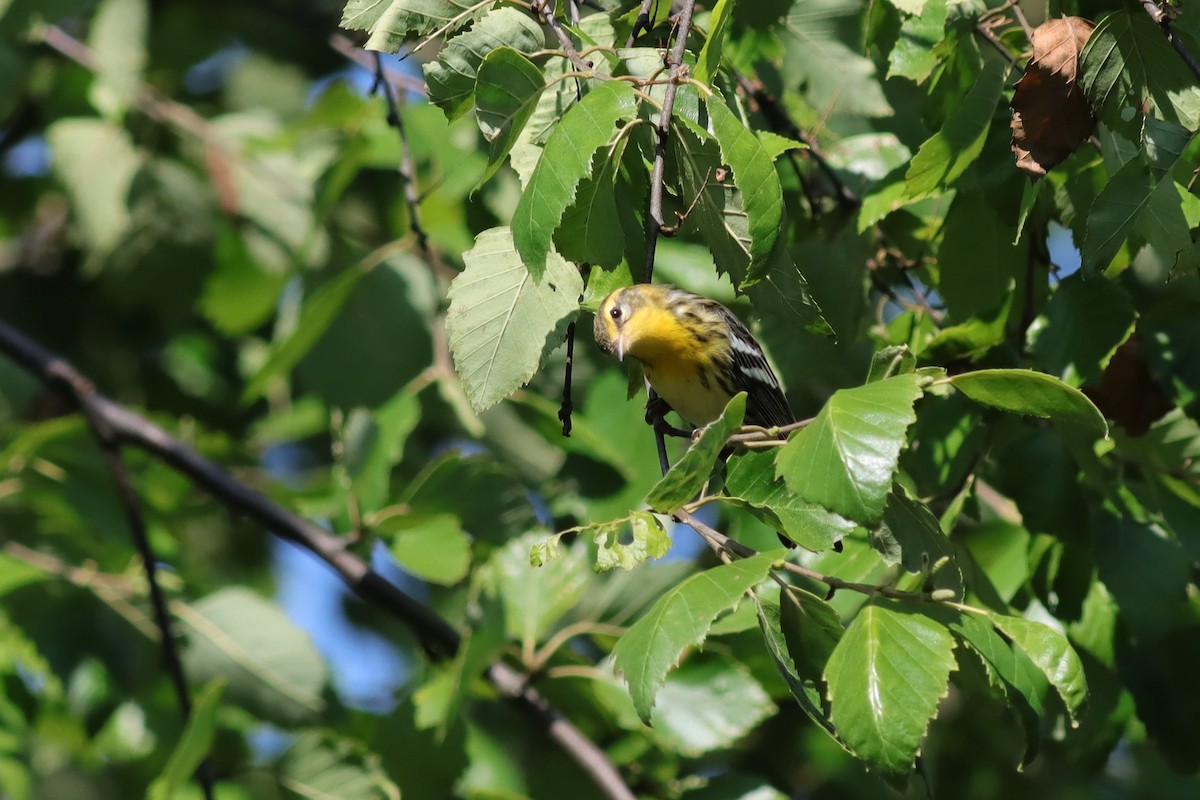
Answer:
(620, 347)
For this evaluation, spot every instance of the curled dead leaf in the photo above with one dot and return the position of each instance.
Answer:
(1050, 114)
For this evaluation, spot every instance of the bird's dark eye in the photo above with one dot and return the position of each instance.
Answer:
(615, 313)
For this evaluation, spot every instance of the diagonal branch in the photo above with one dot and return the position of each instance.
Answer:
(125, 428)
(1162, 14)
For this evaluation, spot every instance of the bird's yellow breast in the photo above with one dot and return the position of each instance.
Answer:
(682, 374)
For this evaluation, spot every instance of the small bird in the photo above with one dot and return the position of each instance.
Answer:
(694, 352)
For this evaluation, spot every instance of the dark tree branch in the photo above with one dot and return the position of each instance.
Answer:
(69, 382)
(412, 197)
(642, 23)
(545, 10)
(437, 636)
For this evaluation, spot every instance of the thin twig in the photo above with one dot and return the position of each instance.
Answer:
(353, 52)
(545, 9)
(1162, 16)
(73, 385)
(675, 67)
(642, 23)
(435, 634)
(412, 197)
(719, 543)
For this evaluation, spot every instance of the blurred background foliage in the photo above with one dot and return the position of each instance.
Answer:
(202, 210)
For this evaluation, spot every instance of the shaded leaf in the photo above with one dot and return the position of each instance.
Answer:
(390, 22)
(710, 55)
(451, 78)
(565, 161)
(1052, 654)
(193, 744)
(320, 764)
(434, 548)
(681, 618)
(507, 90)
(708, 704)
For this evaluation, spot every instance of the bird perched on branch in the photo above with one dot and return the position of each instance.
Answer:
(694, 352)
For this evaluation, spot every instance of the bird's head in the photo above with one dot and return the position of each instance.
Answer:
(617, 327)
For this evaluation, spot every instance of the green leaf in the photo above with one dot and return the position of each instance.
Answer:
(811, 629)
(650, 540)
(535, 598)
(687, 476)
(845, 459)
(710, 55)
(1081, 327)
(96, 162)
(1052, 654)
(591, 229)
(389, 22)
(916, 541)
(117, 38)
(1126, 61)
(507, 90)
(1111, 217)
(433, 548)
(754, 173)
(809, 692)
(886, 677)
(451, 78)
(708, 704)
(751, 482)
(891, 361)
(373, 443)
(1023, 391)
(194, 743)
(272, 667)
(681, 618)
(915, 55)
(565, 161)
(316, 315)
(946, 155)
(977, 264)
(502, 319)
(321, 765)
(481, 646)
(15, 573)
(837, 78)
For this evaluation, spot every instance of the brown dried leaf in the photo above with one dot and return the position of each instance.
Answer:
(1057, 44)
(1050, 115)
(1127, 393)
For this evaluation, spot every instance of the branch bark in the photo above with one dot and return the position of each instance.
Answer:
(436, 635)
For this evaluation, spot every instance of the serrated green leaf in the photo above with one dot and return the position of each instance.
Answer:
(1052, 654)
(390, 22)
(565, 161)
(710, 54)
(591, 228)
(845, 459)
(1023, 391)
(501, 319)
(649, 540)
(193, 745)
(451, 79)
(508, 88)
(432, 547)
(754, 173)
(751, 481)
(272, 667)
(1126, 61)
(681, 618)
(914, 56)
(977, 265)
(947, 154)
(687, 475)
(1111, 217)
(886, 677)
